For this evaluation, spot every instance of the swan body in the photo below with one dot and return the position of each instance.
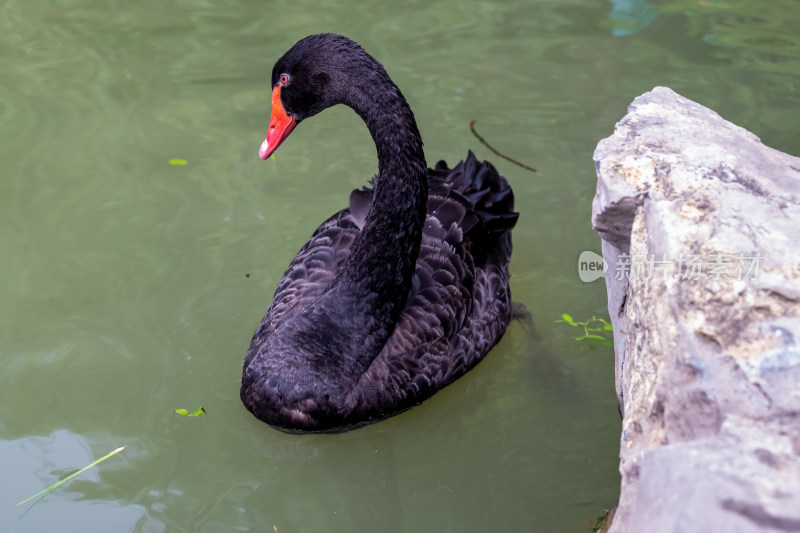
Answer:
(395, 296)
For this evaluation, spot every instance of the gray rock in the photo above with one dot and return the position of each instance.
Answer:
(701, 231)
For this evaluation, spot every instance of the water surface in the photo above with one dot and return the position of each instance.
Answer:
(129, 287)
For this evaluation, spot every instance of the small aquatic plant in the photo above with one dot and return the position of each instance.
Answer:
(594, 330)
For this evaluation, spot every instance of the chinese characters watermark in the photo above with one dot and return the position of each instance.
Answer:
(717, 266)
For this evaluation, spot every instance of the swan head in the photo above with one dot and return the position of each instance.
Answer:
(318, 72)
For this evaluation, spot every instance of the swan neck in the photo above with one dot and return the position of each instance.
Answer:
(384, 256)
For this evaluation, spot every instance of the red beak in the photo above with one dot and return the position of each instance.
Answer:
(280, 126)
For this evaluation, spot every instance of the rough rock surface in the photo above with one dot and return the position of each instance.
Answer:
(701, 232)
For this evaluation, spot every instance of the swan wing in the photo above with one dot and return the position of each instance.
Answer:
(460, 304)
(311, 271)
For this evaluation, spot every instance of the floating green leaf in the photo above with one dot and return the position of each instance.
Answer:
(595, 337)
(177, 161)
(185, 412)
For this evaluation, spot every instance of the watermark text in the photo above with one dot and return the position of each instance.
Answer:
(719, 266)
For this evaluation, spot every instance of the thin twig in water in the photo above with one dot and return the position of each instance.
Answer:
(487, 145)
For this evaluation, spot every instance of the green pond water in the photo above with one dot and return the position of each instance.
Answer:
(130, 287)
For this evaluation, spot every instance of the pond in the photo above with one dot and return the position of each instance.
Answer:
(132, 286)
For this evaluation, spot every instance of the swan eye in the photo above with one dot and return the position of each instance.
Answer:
(284, 79)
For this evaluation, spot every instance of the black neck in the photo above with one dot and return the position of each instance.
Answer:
(383, 257)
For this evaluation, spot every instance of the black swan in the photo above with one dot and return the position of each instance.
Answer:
(397, 295)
